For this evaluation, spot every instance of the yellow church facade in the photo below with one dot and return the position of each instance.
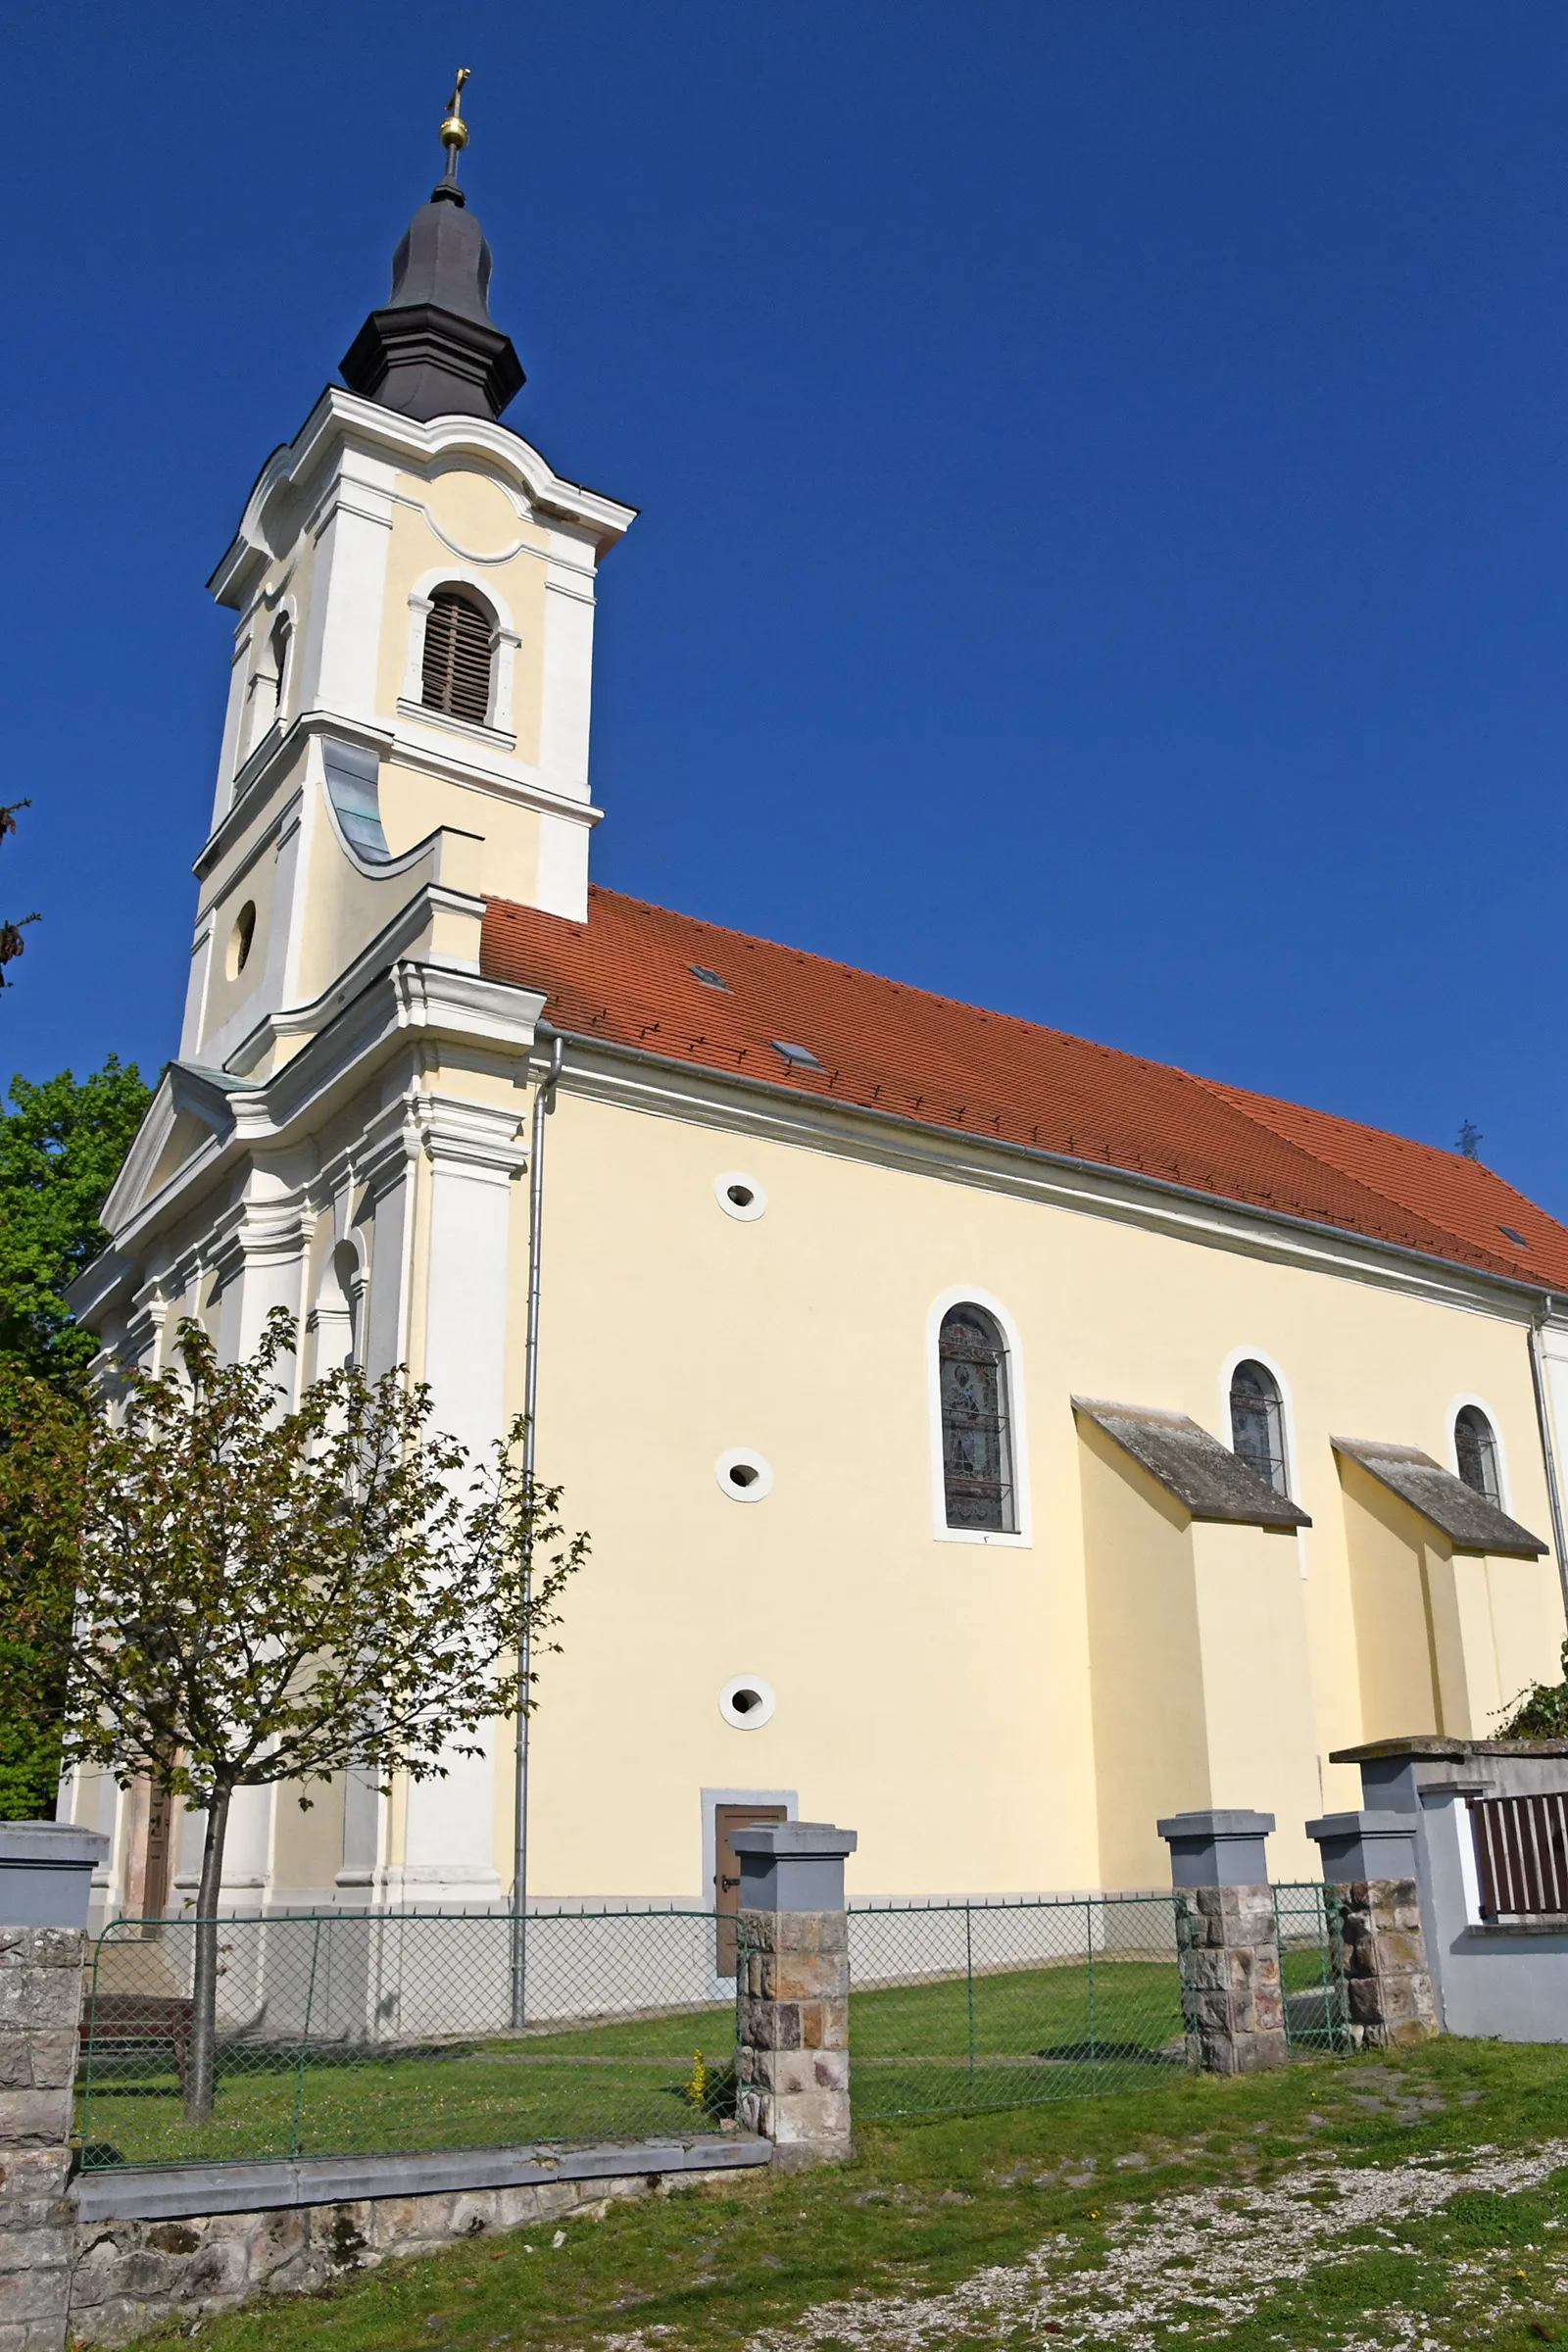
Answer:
(986, 1439)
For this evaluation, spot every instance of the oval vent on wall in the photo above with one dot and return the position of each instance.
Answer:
(740, 1196)
(747, 1702)
(743, 1474)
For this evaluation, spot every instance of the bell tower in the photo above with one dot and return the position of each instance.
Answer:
(408, 720)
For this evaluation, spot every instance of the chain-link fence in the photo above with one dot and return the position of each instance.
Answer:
(1006, 2004)
(344, 2033)
(347, 2034)
(1311, 1976)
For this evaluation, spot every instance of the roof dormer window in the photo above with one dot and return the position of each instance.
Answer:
(456, 672)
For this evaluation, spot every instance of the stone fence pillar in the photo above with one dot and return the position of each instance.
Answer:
(46, 1872)
(1227, 1937)
(794, 1961)
(1369, 1861)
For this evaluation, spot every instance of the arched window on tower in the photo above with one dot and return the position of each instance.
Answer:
(278, 643)
(1258, 1424)
(976, 1434)
(456, 676)
(1475, 1449)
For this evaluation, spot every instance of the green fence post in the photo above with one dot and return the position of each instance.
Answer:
(92, 2037)
(1088, 1958)
(305, 2039)
(969, 1976)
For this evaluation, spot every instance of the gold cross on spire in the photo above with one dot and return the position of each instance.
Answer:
(454, 130)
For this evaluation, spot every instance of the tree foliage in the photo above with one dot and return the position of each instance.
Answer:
(269, 1591)
(1543, 1712)
(12, 941)
(62, 1145)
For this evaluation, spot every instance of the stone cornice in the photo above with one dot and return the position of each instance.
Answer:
(410, 1001)
(405, 743)
(637, 1079)
(473, 1136)
(346, 420)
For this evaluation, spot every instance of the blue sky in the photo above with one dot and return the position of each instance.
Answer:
(1105, 533)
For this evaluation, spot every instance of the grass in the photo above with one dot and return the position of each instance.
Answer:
(927, 2206)
(993, 2040)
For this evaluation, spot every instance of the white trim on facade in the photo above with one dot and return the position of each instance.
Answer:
(1020, 1537)
(609, 1071)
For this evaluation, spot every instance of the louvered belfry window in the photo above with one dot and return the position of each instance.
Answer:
(457, 657)
(976, 1441)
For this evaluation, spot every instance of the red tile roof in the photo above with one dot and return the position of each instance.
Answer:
(625, 975)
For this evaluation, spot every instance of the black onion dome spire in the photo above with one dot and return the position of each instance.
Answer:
(434, 350)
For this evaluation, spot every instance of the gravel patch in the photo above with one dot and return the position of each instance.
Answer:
(1188, 2267)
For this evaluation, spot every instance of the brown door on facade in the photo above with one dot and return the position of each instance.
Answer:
(727, 1871)
(159, 1840)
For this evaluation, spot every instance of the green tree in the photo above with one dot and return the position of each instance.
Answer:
(12, 941)
(62, 1145)
(268, 1592)
(1541, 1713)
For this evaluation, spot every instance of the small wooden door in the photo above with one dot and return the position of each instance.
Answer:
(160, 1844)
(727, 1871)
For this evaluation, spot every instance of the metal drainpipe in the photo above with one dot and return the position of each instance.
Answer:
(1537, 1376)
(544, 1102)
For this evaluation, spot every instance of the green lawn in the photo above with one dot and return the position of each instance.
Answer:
(1000, 2040)
(1150, 2178)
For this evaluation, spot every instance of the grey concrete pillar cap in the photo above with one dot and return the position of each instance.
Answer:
(50, 1845)
(792, 1865)
(46, 1872)
(1222, 1847)
(794, 1838)
(1362, 1825)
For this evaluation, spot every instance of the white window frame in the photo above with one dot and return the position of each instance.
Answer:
(1021, 1538)
(504, 643)
(1455, 1406)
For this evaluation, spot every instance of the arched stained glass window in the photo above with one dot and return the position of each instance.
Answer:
(1258, 1424)
(1475, 1449)
(976, 1437)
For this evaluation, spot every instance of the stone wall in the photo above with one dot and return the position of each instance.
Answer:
(792, 2064)
(132, 2274)
(1227, 1941)
(1386, 1985)
(41, 2003)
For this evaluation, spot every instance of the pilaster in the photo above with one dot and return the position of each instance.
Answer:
(475, 1152)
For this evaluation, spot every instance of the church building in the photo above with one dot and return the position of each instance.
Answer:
(987, 1440)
